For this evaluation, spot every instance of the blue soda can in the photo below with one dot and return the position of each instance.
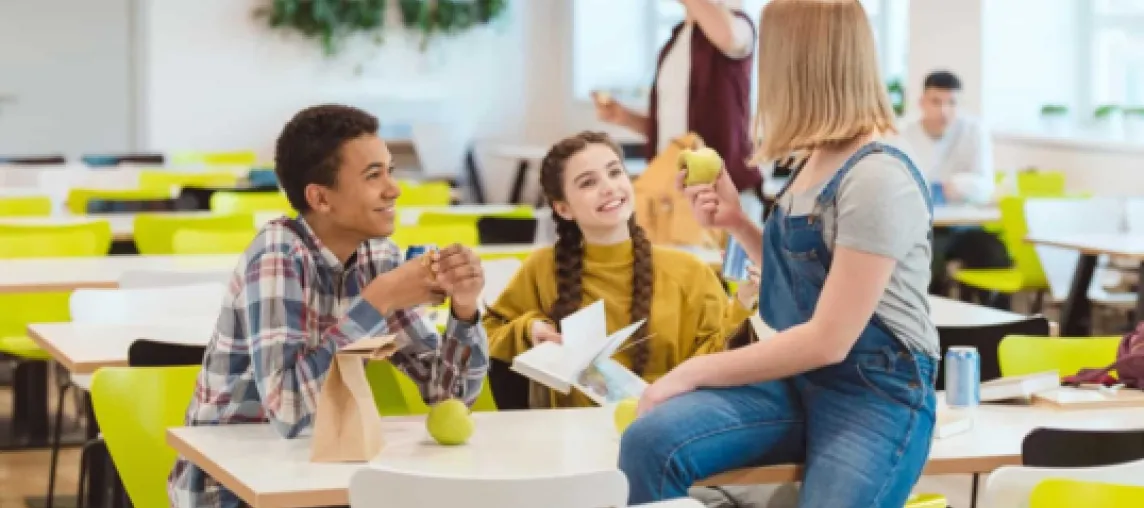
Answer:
(735, 261)
(416, 250)
(962, 377)
(937, 193)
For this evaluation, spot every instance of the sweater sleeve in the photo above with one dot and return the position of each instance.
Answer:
(508, 321)
(718, 315)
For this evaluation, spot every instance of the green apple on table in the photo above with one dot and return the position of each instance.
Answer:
(449, 422)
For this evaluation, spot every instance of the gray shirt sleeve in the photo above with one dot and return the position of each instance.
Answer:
(881, 209)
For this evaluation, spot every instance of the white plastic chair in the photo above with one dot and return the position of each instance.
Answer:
(1011, 486)
(163, 278)
(147, 304)
(1067, 216)
(375, 487)
(498, 274)
(1134, 215)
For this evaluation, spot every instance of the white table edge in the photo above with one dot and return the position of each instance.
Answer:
(327, 497)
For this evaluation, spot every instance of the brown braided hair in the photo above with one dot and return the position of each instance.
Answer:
(569, 249)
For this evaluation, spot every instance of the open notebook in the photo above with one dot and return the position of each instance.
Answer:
(584, 361)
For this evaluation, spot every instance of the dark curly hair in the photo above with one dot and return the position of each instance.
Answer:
(569, 249)
(309, 148)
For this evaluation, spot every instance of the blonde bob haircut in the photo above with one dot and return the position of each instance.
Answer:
(819, 83)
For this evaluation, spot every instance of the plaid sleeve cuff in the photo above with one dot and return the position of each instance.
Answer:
(361, 321)
(470, 335)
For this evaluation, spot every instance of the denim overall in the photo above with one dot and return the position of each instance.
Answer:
(862, 428)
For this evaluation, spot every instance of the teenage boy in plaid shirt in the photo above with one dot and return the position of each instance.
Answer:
(306, 287)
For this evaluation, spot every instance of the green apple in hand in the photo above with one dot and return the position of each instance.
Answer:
(625, 413)
(449, 422)
(702, 165)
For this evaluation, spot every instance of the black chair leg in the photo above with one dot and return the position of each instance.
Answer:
(57, 436)
(973, 492)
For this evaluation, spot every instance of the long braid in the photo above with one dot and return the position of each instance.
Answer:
(569, 250)
(642, 291)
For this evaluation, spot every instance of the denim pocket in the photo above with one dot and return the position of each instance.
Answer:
(894, 376)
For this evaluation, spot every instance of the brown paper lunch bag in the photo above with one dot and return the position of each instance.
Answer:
(347, 425)
(661, 209)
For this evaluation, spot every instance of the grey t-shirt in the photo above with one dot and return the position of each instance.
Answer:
(881, 210)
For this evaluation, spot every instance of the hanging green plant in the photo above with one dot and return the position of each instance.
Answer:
(329, 21)
(448, 16)
(897, 96)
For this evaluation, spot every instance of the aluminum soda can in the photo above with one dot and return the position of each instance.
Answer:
(962, 377)
(735, 261)
(413, 251)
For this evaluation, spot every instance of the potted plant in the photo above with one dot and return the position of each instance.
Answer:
(331, 22)
(897, 96)
(1109, 120)
(1134, 123)
(448, 16)
(1055, 118)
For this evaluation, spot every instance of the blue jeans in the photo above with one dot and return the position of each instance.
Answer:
(862, 428)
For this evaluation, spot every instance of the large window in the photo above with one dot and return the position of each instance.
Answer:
(1117, 57)
(615, 43)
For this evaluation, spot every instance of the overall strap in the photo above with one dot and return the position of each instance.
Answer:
(794, 172)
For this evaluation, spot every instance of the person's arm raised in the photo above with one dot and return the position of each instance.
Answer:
(718, 23)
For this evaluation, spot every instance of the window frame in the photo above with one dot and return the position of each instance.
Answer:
(1090, 23)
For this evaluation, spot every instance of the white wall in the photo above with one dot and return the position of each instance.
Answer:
(1030, 62)
(947, 35)
(1108, 169)
(67, 66)
(217, 78)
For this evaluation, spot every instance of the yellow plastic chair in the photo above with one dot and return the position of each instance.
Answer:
(927, 501)
(78, 197)
(224, 158)
(250, 202)
(134, 407)
(1026, 273)
(25, 206)
(1066, 493)
(20, 309)
(1018, 355)
(159, 179)
(446, 218)
(424, 194)
(465, 235)
(206, 241)
(397, 395)
(1041, 184)
(155, 233)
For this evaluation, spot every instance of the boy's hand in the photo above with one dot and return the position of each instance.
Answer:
(409, 285)
(460, 275)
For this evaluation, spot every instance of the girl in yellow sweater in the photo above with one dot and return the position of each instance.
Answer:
(602, 254)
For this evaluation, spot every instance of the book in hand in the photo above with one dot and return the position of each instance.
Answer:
(584, 360)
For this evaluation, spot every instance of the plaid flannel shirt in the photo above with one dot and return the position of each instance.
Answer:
(290, 306)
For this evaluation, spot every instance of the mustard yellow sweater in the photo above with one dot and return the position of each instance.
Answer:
(691, 314)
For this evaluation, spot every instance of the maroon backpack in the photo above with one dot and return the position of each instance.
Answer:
(1129, 364)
